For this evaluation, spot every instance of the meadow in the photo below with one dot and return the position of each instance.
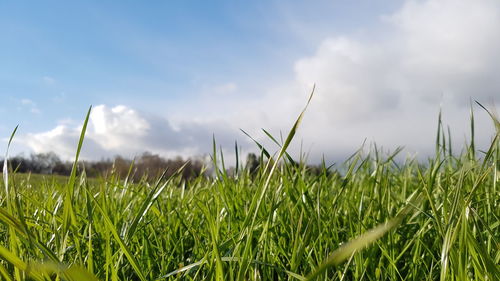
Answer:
(372, 217)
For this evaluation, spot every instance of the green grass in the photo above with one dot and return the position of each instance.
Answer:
(379, 219)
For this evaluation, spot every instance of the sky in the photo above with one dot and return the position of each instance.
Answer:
(168, 76)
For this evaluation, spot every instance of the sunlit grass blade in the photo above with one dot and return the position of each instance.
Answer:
(284, 147)
(260, 146)
(69, 215)
(183, 269)
(6, 166)
(493, 117)
(10, 197)
(472, 148)
(290, 159)
(257, 201)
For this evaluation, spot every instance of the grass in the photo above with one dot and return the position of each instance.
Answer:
(379, 219)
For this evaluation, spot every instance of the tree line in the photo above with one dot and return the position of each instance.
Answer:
(147, 166)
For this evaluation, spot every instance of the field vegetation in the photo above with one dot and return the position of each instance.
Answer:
(370, 218)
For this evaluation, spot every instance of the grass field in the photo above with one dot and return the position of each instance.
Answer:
(378, 219)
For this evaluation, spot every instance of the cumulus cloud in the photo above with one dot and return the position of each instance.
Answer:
(389, 87)
(121, 130)
(433, 48)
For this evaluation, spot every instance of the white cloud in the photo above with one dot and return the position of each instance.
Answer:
(121, 130)
(389, 89)
(434, 47)
(449, 46)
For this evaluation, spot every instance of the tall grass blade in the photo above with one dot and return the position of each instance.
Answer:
(6, 166)
(69, 218)
(260, 146)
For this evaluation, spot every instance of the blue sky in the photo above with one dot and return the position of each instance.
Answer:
(65, 56)
(183, 70)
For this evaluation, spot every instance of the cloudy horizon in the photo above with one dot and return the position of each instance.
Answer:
(166, 79)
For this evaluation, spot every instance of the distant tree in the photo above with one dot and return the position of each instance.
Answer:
(252, 163)
(121, 166)
(62, 168)
(41, 163)
(44, 163)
